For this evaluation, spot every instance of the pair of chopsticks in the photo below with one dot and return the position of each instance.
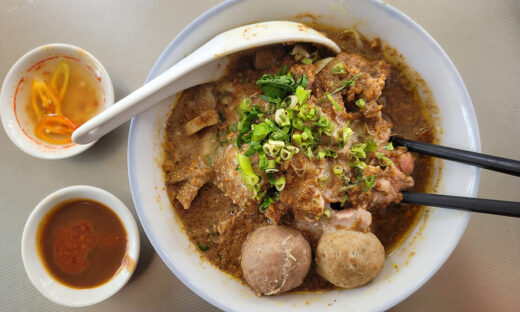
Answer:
(504, 165)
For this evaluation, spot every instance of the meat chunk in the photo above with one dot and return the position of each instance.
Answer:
(229, 180)
(403, 159)
(348, 219)
(193, 178)
(388, 186)
(301, 193)
(369, 77)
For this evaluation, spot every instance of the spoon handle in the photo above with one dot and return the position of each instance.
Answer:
(497, 207)
(170, 82)
(499, 164)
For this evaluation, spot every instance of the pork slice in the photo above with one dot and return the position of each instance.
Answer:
(192, 179)
(229, 180)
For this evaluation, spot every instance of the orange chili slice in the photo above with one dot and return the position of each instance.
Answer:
(43, 100)
(57, 125)
(61, 72)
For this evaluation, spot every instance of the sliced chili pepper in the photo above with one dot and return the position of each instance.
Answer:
(42, 96)
(62, 71)
(55, 125)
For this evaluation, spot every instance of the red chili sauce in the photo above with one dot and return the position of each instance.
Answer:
(82, 243)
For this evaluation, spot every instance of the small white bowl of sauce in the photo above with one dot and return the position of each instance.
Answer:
(80, 246)
(48, 93)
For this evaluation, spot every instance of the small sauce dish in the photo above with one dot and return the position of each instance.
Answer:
(52, 283)
(58, 87)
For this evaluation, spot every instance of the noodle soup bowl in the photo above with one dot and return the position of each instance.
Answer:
(430, 242)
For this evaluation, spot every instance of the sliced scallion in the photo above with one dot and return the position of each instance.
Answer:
(331, 99)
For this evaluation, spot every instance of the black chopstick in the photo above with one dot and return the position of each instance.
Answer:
(497, 207)
(499, 164)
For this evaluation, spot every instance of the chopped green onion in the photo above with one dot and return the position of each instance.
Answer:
(292, 149)
(331, 99)
(297, 123)
(327, 213)
(265, 204)
(371, 146)
(203, 247)
(285, 154)
(263, 163)
(272, 148)
(279, 183)
(339, 68)
(331, 153)
(306, 61)
(358, 150)
(260, 131)
(329, 131)
(369, 183)
(293, 100)
(321, 155)
(282, 118)
(358, 164)
(307, 135)
(344, 199)
(389, 146)
(302, 95)
(323, 179)
(360, 103)
(244, 106)
(337, 170)
(344, 136)
(308, 152)
(324, 122)
(281, 135)
(383, 160)
(297, 138)
(271, 166)
(248, 175)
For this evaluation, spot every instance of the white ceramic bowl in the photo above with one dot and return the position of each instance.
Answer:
(431, 241)
(17, 126)
(39, 275)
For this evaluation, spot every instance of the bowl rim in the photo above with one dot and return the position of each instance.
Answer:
(20, 66)
(467, 104)
(35, 268)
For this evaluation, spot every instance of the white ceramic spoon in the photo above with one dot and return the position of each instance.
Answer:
(206, 64)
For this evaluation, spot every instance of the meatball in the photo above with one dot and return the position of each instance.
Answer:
(275, 259)
(349, 259)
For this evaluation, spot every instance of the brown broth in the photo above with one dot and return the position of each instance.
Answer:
(82, 243)
(410, 117)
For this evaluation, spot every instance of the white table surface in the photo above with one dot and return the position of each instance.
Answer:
(482, 38)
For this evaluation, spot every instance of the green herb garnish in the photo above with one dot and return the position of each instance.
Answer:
(383, 160)
(307, 61)
(346, 83)
(360, 103)
(331, 99)
(338, 69)
(369, 183)
(280, 84)
(203, 247)
(248, 175)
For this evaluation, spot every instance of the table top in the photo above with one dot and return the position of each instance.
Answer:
(481, 37)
